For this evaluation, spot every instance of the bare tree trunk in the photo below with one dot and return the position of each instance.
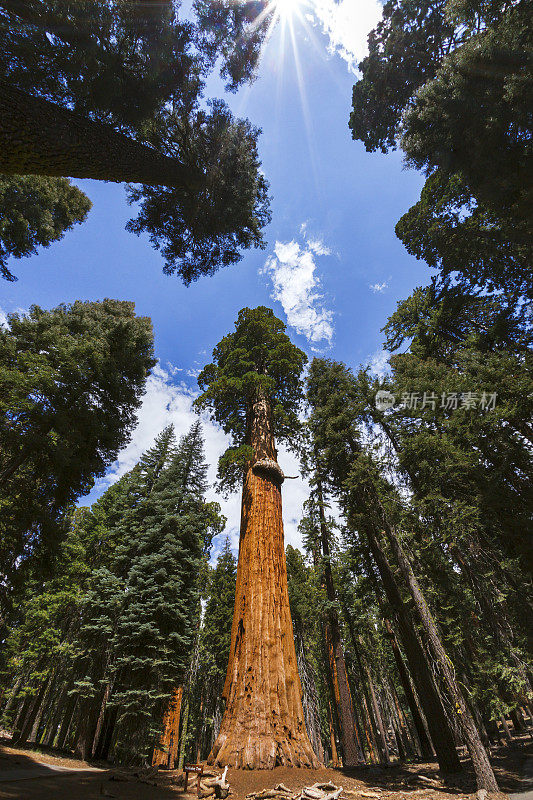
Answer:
(106, 737)
(185, 726)
(377, 713)
(25, 727)
(336, 762)
(484, 773)
(66, 722)
(20, 719)
(263, 724)
(506, 731)
(310, 700)
(351, 745)
(59, 706)
(12, 696)
(100, 720)
(38, 137)
(518, 722)
(40, 710)
(423, 736)
(439, 728)
(166, 753)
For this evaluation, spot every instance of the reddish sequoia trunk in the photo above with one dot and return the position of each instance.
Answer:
(263, 724)
(335, 760)
(167, 752)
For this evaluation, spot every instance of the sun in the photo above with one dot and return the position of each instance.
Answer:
(287, 8)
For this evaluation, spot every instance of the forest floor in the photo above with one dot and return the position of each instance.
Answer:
(30, 774)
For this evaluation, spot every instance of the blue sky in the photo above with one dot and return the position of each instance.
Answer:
(333, 268)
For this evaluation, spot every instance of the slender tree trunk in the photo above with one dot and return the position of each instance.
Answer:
(484, 773)
(506, 730)
(377, 714)
(518, 723)
(42, 138)
(55, 717)
(87, 721)
(106, 737)
(185, 726)
(351, 746)
(335, 760)
(100, 720)
(383, 751)
(25, 729)
(40, 710)
(423, 736)
(12, 696)
(66, 722)
(310, 700)
(402, 726)
(20, 721)
(263, 723)
(166, 754)
(439, 728)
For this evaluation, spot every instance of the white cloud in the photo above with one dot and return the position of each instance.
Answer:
(297, 287)
(167, 402)
(3, 318)
(318, 247)
(378, 287)
(379, 363)
(347, 24)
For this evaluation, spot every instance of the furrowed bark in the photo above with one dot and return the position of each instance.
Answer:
(423, 738)
(38, 137)
(310, 701)
(166, 754)
(439, 727)
(482, 767)
(263, 724)
(336, 762)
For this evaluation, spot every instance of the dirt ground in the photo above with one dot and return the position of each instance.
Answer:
(367, 783)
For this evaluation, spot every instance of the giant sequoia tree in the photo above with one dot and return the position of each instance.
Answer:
(253, 389)
(113, 92)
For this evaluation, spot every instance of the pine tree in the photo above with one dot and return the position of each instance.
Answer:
(71, 381)
(319, 543)
(214, 647)
(375, 505)
(305, 595)
(159, 564)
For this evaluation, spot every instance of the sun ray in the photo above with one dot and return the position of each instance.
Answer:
(305, 106)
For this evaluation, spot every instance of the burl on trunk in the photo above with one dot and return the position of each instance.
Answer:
(263, 724)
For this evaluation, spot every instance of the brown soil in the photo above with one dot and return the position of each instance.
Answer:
(370, 783)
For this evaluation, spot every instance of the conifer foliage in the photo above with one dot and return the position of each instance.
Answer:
(126, 611)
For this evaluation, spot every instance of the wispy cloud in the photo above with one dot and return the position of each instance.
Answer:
(379, 363)
(167, 401)
(378, 287)
(296, 286)
(347, 25)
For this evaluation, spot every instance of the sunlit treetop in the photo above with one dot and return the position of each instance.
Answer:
(258, 357)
